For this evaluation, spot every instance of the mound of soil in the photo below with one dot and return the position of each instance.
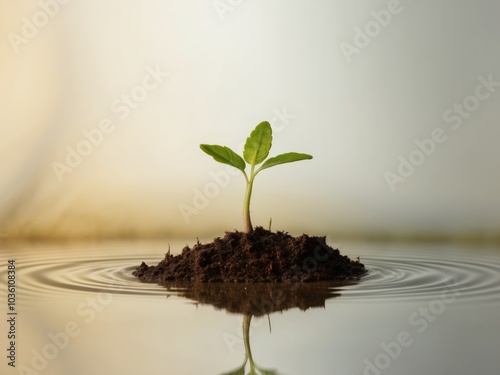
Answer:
(260, 256)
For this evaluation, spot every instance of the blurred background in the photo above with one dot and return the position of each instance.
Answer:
(104, 105)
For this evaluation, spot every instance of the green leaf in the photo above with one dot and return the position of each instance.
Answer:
(237, 371)
(287, 157)
(268, 372)
(258, 144)
(225, 155)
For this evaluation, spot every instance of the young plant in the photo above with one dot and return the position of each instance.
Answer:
(255, 152)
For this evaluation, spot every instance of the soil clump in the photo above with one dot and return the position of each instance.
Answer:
(259, 256)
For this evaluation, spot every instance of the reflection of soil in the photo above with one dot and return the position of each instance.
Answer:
(260, 256)
(256, 299)
(259, 298)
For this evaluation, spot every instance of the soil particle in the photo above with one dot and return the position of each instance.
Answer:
(260, 256)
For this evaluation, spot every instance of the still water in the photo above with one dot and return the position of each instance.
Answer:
(422, 309)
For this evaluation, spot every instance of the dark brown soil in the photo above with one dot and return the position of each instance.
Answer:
(260, 256)
(258, 299)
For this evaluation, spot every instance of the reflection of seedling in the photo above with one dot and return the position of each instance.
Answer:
(254, 369)
(256, 150)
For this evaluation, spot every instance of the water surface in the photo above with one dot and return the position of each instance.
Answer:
(430, 309)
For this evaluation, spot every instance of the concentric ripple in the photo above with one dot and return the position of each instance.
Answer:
(86, 276)
(405, 278)
(393, 275)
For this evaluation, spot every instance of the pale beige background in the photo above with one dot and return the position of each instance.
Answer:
(226, 74)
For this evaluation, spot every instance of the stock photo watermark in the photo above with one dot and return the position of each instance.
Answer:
(454, 118)
(222, 7)
(31, 26)
(12, 312)
(277, 299)
(86, 312)
(221, 179)
(121, 107)
(232, 340)
(363, 36)
(419, 322)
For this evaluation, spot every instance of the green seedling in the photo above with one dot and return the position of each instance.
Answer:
(255, 152)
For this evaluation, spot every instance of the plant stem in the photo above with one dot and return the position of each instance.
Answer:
(246, 340)
(247, 222)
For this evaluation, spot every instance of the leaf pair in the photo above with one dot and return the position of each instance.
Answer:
(256, 150)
